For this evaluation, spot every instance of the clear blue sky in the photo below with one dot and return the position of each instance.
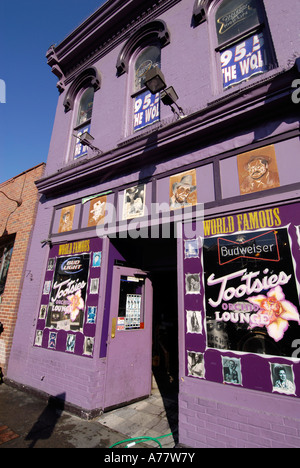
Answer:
(27, 29)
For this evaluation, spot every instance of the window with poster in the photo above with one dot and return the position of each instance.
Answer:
(146, 105)
(83, 120)
(80, 99)
(244, 46)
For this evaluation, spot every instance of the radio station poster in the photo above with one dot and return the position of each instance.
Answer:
(81, 149)
(146, 110)
(251, 293)
(244, 60)
(68, 293)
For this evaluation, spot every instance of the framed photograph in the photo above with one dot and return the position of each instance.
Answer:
(196, 364)
(88, 345)
(231, 370)
(283, 379)
(38, 338)
(134, 202)
(94, 286)
(194, 321)
(192, 283)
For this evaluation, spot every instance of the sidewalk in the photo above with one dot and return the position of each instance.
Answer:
(26, 421)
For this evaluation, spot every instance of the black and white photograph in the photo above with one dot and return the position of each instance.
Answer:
(196, 364)
(283, 379)
(38, 338)
(88, 346)
(94, 286)
(51, 263)
(192, 283)
(47, 287)
(194, 321)
(43, 311)
(134, 202)
(231, 370)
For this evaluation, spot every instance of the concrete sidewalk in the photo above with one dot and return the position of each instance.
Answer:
(27, 421)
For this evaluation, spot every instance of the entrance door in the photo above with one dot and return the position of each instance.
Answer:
(129, 351)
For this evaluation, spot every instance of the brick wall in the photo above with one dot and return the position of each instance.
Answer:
(16, 221)
(244, 419)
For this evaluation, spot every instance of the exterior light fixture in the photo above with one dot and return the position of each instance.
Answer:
(46, 242)
(155, 82)
(86, 140)
(169, 97)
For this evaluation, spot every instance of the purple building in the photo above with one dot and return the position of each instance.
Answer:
(167, 238)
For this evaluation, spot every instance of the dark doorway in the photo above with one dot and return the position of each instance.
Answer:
(158, 257)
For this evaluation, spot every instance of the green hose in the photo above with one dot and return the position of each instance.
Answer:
(139, 440)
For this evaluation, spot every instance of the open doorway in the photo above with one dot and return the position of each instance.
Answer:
(158, 257)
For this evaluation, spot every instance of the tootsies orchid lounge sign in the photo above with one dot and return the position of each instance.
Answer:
(241, 300)
(250, 286)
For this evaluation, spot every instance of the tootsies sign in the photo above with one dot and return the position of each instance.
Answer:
(67, 298)
(251, 295)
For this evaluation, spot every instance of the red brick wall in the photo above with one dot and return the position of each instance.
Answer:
(16, 221)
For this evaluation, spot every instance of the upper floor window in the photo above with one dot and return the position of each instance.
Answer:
(243, 42)
(146, 105)
(139, 54)
(80, 99)
(83, 121)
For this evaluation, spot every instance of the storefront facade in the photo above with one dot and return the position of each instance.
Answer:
(173, 235)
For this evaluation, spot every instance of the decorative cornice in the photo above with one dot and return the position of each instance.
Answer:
(110, 25)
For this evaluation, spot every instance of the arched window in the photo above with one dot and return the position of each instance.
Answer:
(83, 121)
(146, 105)
(244, 43)
(141, 53)
(80, 99)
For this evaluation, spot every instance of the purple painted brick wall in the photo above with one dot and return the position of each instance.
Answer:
(237, 419)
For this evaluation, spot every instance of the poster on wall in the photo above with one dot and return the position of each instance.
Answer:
(68, 294)
(97, 211)
(134, 202)
(68, 309)
(66, 219)
(81, 149)
(258, 170)
(251, 295)
(146, 110)
(244, 60)
(183, 190)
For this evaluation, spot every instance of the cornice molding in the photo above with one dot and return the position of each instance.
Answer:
(110, 25)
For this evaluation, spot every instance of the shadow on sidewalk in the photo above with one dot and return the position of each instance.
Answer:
(45, 425)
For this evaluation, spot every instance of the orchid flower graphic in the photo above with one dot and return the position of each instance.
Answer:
(76, 304)
(278, 310)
